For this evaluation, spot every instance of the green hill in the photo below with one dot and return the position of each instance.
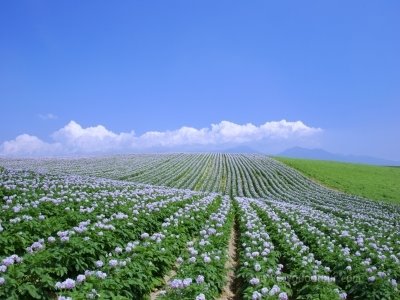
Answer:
(374, 182)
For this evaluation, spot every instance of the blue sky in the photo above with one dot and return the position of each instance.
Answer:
(161, 65)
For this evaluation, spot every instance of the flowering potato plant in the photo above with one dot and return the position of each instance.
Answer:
(201, 267)
(260, 269)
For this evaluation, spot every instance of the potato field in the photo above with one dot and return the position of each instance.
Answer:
(189, 226)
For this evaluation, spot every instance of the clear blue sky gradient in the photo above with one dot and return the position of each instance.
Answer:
(157, 65)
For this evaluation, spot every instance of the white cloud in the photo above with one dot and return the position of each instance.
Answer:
(285, 129)
(48, 116)
(74, 139)
(230, 132)
(227, 132)
(91, 139)
(29, 145)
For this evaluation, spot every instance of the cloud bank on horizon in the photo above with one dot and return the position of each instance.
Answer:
(74, 139)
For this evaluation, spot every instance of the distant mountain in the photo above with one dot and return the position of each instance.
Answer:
(298, 152)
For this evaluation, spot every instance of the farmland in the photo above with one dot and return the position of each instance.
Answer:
(374, 182)
(172, 226)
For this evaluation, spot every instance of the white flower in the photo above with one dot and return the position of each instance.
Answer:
(200, 279)
(64, 239)
(393, 282)
(122, 263)
(8, 261)
(255, 254)
(283, 296)
(207, 259)
(99, 264)
(201, 297)
(254, 281)
(381, 274)
(186, 282)
(67, 284)
(101, 275)
(275, 290)
(144, 235)
(179, 260)
(176, 283)
(345, 233)
(256, 296)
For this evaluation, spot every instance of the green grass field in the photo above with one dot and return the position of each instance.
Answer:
(375, 182)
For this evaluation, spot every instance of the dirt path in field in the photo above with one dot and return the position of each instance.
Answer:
(157, 292)
(231, 289)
